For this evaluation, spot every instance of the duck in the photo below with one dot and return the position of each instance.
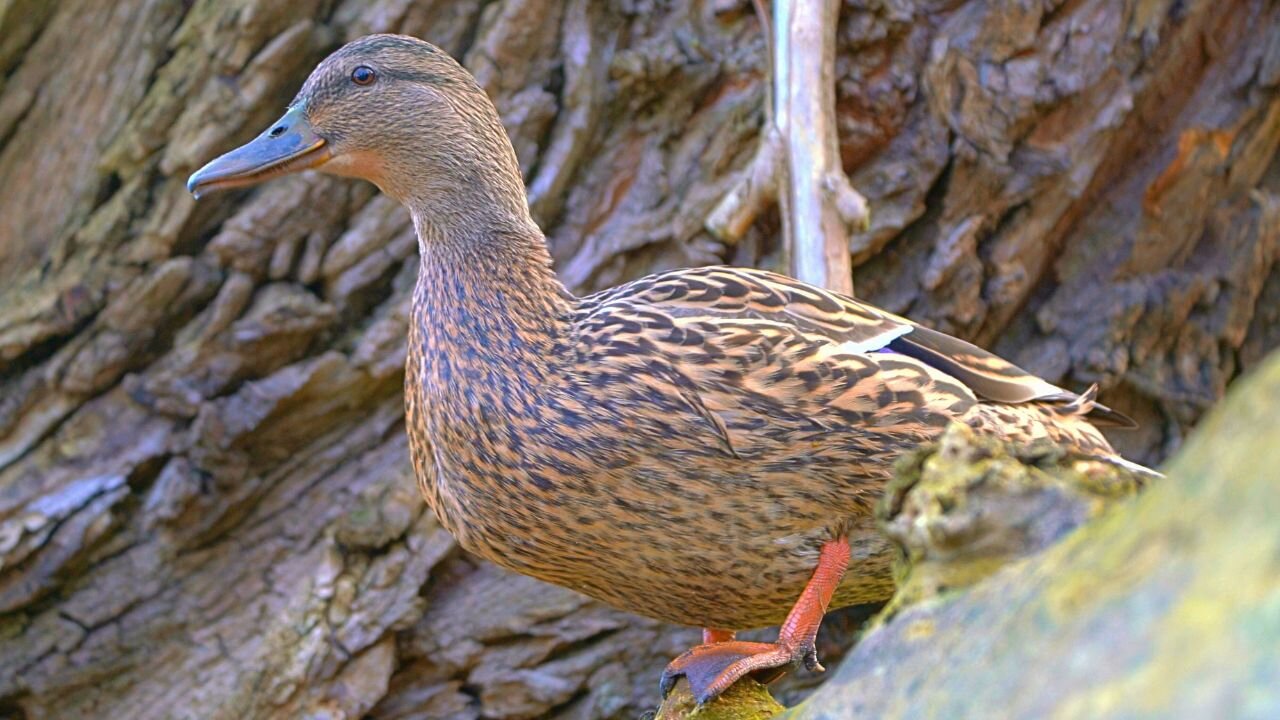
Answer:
(700, 446)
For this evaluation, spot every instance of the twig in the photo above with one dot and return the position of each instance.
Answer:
(798, 161)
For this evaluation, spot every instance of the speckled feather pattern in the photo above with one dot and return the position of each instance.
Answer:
(683, 445)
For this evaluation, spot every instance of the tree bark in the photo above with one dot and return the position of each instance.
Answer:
(206, 507)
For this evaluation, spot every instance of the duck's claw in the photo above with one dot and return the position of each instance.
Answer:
(712, 668)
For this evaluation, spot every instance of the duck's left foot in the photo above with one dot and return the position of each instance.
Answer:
(711, 669)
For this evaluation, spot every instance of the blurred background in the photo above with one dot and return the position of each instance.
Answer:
(206, 506)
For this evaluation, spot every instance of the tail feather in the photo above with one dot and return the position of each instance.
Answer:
(1141, 471)
(1086, 404)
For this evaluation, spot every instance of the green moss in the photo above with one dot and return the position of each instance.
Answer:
(1164, 606)
(745, 700)
(968, 506)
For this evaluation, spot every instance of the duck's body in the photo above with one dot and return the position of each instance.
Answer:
(700, 446)
(681, 446)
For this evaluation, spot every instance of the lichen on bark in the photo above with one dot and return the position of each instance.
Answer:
(969, 505)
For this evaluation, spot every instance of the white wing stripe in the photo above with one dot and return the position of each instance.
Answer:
(875, 342)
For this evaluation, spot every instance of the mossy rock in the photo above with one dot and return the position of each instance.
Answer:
(745, 700)
(1166, 606)
(968, 505)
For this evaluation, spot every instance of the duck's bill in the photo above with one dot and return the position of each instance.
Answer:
(288, 146)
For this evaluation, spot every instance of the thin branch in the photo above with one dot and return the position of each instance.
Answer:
(751, 193)
(798, 161)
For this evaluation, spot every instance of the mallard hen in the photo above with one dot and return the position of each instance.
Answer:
(700, 446)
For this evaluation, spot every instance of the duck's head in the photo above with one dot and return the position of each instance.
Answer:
(396, 111)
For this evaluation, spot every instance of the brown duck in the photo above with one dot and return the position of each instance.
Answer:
(700, 446)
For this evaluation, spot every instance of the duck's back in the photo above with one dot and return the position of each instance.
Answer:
(741, 339)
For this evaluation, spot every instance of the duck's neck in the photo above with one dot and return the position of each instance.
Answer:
(487, 303)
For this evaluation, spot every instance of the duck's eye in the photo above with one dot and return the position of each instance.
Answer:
(363, 75)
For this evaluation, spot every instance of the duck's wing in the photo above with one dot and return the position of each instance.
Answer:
(759, 299)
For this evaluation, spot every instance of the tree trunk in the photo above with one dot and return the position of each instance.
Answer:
(206, 507)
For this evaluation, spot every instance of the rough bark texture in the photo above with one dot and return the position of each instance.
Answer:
(205, 501)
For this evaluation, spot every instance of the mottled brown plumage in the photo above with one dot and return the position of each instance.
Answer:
(682, 446)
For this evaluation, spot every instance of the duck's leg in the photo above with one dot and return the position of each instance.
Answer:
(716, 635)
(712, 667)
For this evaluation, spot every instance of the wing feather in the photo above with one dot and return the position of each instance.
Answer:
(745, 297)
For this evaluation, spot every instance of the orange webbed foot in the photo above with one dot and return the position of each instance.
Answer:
(712, 668)
(721, 661)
